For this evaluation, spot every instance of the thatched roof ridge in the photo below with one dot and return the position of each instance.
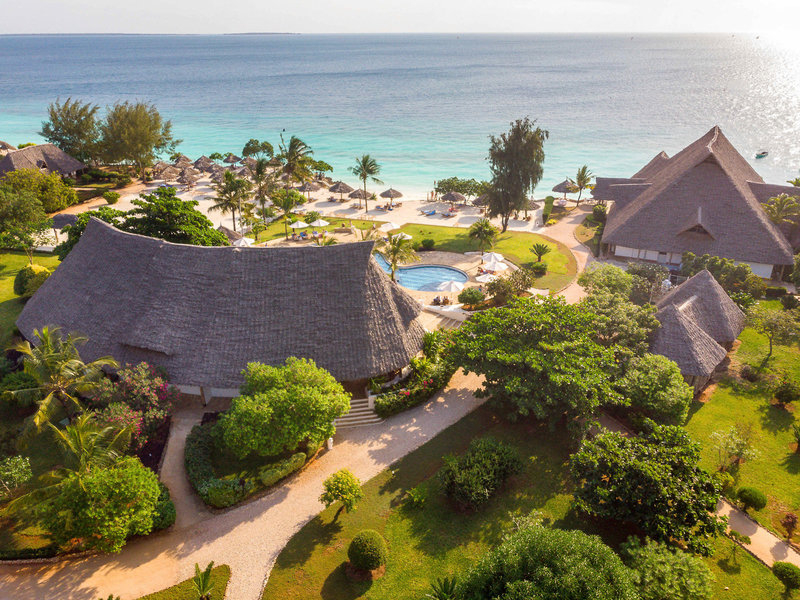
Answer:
(230, 233)
(654, 166)
(340, 187)
(680, 339)
(43, 157)
(711, 175)
(565, 187)
(203, 312)
(602, 186)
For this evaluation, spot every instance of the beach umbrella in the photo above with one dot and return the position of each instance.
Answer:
(341, 188)
(485, 278)
(492, 257)
(243, 172)
(243, 242)
(402, 236)
(450, 286)
(250, 162)
(565, 187)
(298, 225)
(308, 187)
(203, 163)
(160, 166)
(169, 174)
(453, 197)
(390, 226)
(391, 194)
(358, 194)
(495, 266)
(481, 200)
(319, 223)
(231, 159)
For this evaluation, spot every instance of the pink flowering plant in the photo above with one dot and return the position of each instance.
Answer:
(120, 416)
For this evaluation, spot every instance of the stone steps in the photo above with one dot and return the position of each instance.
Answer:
(360, 414)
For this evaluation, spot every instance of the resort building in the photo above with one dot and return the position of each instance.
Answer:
(203, 313)
(44, 157)
(699, 323)
(706, 199)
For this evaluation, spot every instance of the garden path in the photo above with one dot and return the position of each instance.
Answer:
(564, 232)
(248, 538)
(764, 545)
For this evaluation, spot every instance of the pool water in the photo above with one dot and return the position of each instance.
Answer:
(424, 278)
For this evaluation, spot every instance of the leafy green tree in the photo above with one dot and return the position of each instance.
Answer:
(366, 168)
(202, 582)
(466, 187)
(603, 276)
(654, 384)
(751, 498)
(549, 564)
(279, 407)
(620, 324)
(74, 127)
(296, 160)
(15, 471)
(652, 481)
(665, 573)
(583, 180)
(216, 156)
(483, 232)
(286, 201)
(734, 445)
(51, 190)
(74, 232)
(647, 281)
(782, 209)
(397, 251)
(23, 222)
(731, 276)
(538, 354)
(102, 508)
(135, 133)
(540, 249)
(779, 326)
(788, 574)
(61, 376)
(516, 160)
(342, 487)
(231, 192)
(260, 150)
(321, 167)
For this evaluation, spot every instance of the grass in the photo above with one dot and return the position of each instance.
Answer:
(11, 304)
(436, 540)
(776, 471)
(185, 590)
(276, 229)
(587, 233)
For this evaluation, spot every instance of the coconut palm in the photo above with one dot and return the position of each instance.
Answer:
(231, 192)
(540, 249)
(366, 168)
(782, 209)
(264, 185)
(296, 160)
(397, 251)
(484, 233)
(286, 201)
(202, 581)
(326, 241)
(795, 182)
(60, 374)
(583, 179)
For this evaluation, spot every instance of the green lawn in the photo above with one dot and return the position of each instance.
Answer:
(10, 303)
(776, 471)
(185, 590)
(436, 540)
(586, 233)
(277, 230)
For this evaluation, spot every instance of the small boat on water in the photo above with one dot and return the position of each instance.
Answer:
(762, 154)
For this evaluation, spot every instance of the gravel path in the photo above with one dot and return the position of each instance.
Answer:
(248, 538)
(764, 545)
(564, 232)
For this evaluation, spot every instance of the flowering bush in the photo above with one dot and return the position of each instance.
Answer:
(121, 415)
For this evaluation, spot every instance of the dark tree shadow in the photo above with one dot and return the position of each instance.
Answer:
(729, 564)
(791, 462)
(301, 547)
(775, 418)
(338, 587)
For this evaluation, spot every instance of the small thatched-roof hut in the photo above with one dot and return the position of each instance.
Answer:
(47, 158)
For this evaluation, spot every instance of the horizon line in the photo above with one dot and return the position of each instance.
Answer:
(331, 33)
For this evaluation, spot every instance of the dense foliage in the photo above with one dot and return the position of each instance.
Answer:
(731, 276)
(367, 551)
(29, 279)
(342, 487)
(50, 189)
(652, 481)
(621, 323)
(549, 564)
(788, 574)
(73, 126)
(164, 514)
(23, 222)
(654, 385)
(751, 498)
(539, 355)
(472, 479)
(665, 573)
(279, 407)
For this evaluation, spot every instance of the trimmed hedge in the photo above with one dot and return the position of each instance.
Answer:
(274, 473)
(752, 498)
(396, 401)
(788, 574)
(774, 291)
(29, 553)
(368, 550)
(165, 509)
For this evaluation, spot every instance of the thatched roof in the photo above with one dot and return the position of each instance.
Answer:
(481, 200)
(391, 193)
(340, 187)
(566, 187)
(169, 173)
(44, 157)
(701, 200)
(5, 148)
(358, 194)
(697, 319)
(308, 187)
(454, 197)
(231, 158)
(62, 220)
(204, 312)
(203, 163)
(230, 233)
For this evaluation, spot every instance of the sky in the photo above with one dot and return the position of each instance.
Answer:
(398, 16)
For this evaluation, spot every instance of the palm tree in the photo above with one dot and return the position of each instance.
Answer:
(484, 233)
(782, 209)
(397, 251)
(286, 201)
(202, 581)
(231, 191)
(583, 179)
(296, 160)
(61, 376)
(366, 168)
(795, 182)
(540, 249)
(264, 185)
(326, 241)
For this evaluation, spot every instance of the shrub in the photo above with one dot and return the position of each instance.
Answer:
(548, 209)
(743, 300)
(428, 244)
(750, 374)
(15, 382)
(164, 514)
(434, 343)
(654, 384)
(662, 572)
(470, 480)
(787, 391)
(725, 481)
(121, 415)
(14, 472)
(274, 473)
(122, 181)
(197, 457)
(222, 493)
(751, 498)
(368, 550)
(111, 197)
(416, 245)
(788, 574)
(774, 291)
(417, 496)
(551, 222)
(538, 269)
(790, 301)
(420, 390)
(471, 295)
(29, 279)
(599, 212)
(342, 486)
(50, 189)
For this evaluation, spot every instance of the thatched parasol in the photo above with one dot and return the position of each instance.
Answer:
(231, 159)
(203, 163)
(391, 193)
(244, 172)
(481, 200)
(453, 197)
(181, 160)
(249, 162)
(566, 187)
(341, 188)
(307, 188)
(169, 174)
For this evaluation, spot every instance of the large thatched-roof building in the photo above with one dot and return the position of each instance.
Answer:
(203, 313)
(44, 157)
(699, 323)
(706, 199)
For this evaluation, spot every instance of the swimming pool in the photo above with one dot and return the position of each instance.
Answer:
(424, 278)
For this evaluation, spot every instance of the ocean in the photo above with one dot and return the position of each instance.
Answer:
(425, 105)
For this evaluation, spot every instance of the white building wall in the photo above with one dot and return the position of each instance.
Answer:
(760, 269)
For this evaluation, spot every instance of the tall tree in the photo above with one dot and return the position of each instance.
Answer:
(397, 251)
(296, 160)
(782, 209)
(23, 222)
(779, 326)
(483, 232)
(264, 185)
(583, 179)
(366, 168)
(135, 133)
(60, 374)
(516, 160)
(258, 149)
(73, 126)
(231, 192)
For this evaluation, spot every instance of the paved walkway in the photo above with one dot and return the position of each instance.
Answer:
(564, 232)
(248, 538)
(764, 544)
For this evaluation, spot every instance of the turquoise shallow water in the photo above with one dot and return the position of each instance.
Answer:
(424, 105)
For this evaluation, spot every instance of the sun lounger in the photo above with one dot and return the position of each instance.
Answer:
(428, 213)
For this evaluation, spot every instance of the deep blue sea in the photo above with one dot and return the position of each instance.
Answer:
(425, 105)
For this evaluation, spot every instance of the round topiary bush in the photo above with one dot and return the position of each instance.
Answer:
(29, 279)
(471, 295)
(428, 244)
(788, 574)
(111, 197)
(752, 498)
(368, 550)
